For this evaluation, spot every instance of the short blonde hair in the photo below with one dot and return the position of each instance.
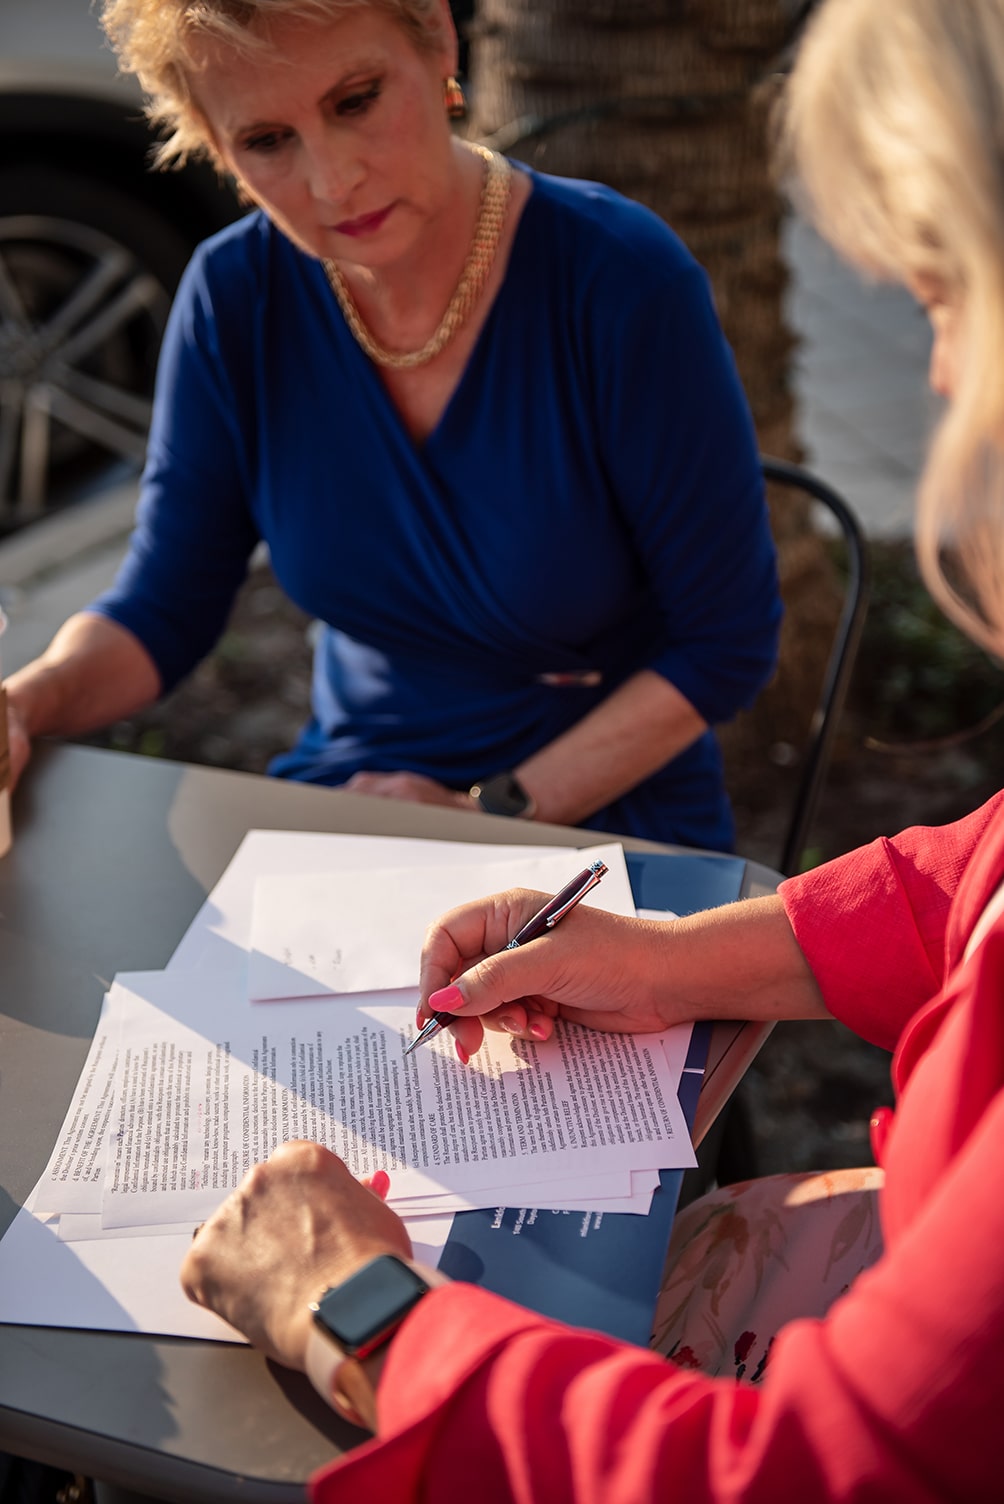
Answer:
(154, 39)
(893, 126)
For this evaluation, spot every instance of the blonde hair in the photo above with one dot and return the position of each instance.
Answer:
(894, 125)
(157, 39)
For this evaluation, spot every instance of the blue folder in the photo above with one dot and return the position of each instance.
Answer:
(594, 1269)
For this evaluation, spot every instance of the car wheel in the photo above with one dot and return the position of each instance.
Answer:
(86, 279)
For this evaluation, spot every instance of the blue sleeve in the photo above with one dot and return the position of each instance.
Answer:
(679, 445)
(194, 531)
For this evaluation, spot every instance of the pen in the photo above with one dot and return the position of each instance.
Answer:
(545, 919)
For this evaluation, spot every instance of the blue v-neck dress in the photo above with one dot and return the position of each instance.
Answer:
(589, 504)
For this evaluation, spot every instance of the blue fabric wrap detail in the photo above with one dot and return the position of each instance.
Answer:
(590, 499)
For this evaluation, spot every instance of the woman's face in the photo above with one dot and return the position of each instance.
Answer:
(339, 132)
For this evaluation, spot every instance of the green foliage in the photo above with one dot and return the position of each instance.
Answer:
(233, 648)
(151, 743)
(917, 676)
(812, 856)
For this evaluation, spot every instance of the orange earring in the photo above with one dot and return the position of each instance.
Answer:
(453, 99)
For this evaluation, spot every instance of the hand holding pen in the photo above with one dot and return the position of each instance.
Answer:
(539, 924)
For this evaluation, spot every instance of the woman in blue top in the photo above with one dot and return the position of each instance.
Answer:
(485, 420)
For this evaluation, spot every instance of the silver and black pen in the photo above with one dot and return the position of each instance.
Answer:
(545, 919)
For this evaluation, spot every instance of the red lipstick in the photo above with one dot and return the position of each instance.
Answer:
(365, 224)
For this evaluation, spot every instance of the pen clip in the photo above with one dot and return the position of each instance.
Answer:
(596, 871)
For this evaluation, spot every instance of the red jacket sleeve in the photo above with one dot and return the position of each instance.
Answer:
(897, 1394)
(872, 924)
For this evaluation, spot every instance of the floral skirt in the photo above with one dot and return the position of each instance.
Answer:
(745, 1260)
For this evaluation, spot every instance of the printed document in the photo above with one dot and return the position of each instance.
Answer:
(188, 1083)
(208, 1085)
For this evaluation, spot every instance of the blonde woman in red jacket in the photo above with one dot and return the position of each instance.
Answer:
(878, 1348)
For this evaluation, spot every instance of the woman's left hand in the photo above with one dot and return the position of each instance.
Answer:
(413, 786)
(295, 1225)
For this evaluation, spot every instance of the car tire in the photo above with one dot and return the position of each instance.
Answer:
(87, 273)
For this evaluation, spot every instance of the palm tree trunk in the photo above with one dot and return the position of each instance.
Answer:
(669, 101)
(658, 98)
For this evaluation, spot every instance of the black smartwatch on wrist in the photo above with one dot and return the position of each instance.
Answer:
(503, 794)
(355, 1318)
(367, 1309)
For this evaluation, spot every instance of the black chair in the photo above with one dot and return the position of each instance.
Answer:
(815, 757)
(728, 1153)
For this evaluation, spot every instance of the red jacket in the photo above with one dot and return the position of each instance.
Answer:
(898, 1395)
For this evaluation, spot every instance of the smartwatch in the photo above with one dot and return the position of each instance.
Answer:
(353, 1319)
(503, 794)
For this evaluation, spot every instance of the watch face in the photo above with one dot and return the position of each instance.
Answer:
(368, 1307)
(502, 795)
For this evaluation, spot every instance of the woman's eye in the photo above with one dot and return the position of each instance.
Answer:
(358, 102)
(265, 141)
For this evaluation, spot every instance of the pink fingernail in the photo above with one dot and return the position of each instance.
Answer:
(380, 1183)
(538, 1031)
(447, 1000)
(462, 1054)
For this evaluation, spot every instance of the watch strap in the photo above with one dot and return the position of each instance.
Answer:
(323, 1360)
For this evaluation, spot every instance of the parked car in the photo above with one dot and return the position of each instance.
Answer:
(92, 244)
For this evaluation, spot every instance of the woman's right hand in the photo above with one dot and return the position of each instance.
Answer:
(593, 968)
(93, 672)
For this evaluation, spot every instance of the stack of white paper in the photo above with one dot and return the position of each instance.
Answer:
(284, 1014)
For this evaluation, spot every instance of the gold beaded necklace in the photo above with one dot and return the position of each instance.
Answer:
(480, 259)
